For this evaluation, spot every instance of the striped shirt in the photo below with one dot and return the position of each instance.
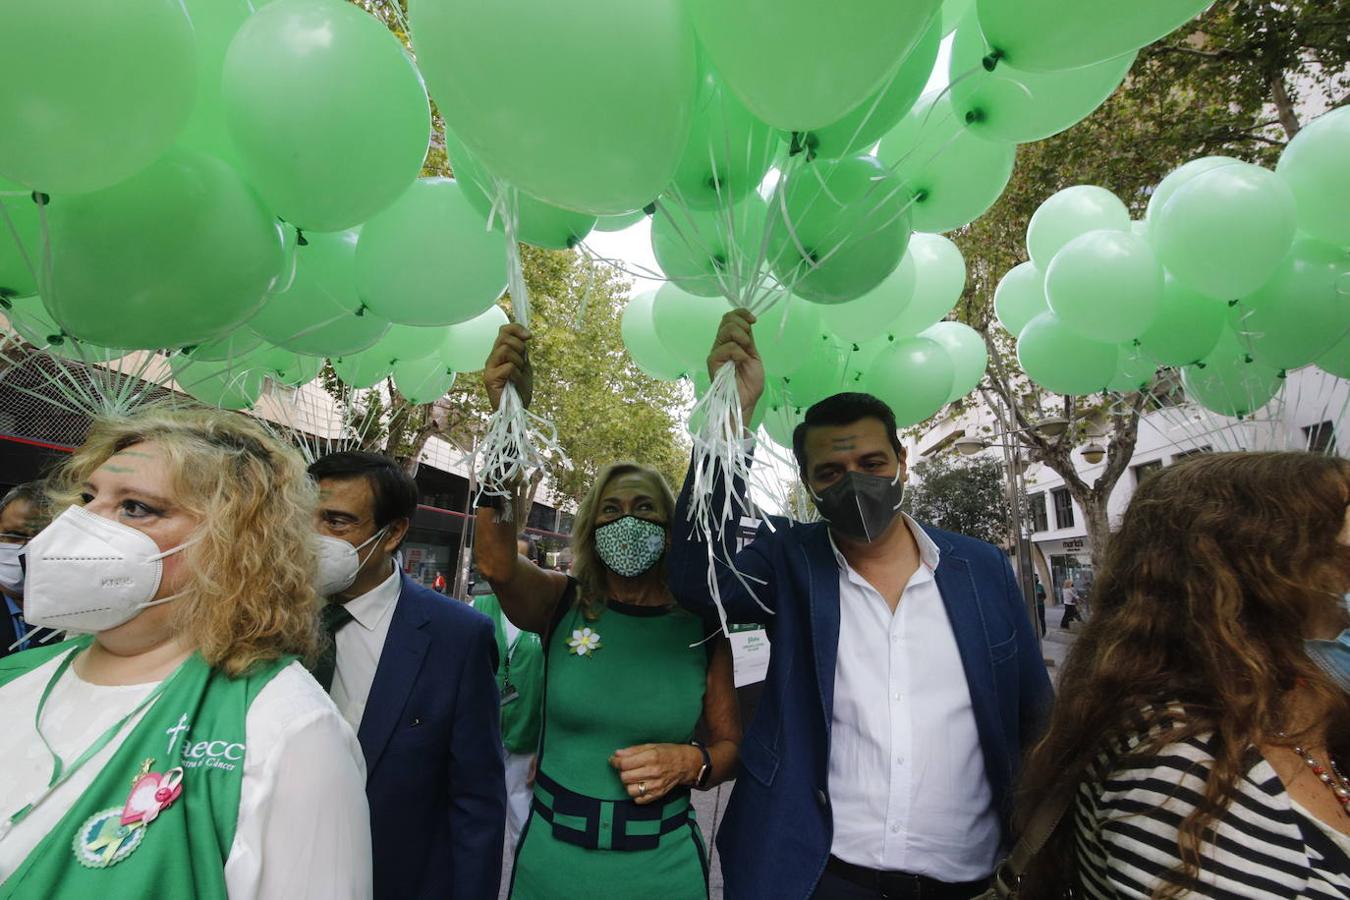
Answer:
(1131, 805)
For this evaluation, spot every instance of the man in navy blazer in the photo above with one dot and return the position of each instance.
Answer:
(414, 673)
(905, 678)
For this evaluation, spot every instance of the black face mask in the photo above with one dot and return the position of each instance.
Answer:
(860, 506)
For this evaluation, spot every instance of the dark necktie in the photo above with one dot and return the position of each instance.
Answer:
(331, 619)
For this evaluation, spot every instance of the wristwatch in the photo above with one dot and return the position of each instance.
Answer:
(705, 772)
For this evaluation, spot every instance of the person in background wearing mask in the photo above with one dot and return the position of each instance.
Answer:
(520, 679)
(24, 511)
(905, 680)
(177, 748)
(414, 673)
(632, 684)
(1201, 742)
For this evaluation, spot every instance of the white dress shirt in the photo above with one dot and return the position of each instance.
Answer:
(303, 829)
(359, 645)
(907, 782)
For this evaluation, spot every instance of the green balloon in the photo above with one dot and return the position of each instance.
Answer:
(969, 355)
(687, 323)
(1135, 369)
(215, 23)
(1061, 360)
(1302, 311)
(1225, 231)
(1049, 35)
(863, 318)
(621, 221)
(839, 228)
(939, 279)
(727, 154)
(230, 384)
(711, 253)
(423, 380)
(407, 342)
(1336, 361)
(1105, 285)
(1313, 164)
(786, 333)
(327, 111)
(537, 223)
(16, 276)
(30, 320)
(288, 368)
(633, 62)
(467, 344)
(320, 313)
(178, 254)
(1067, 214)
(1180, 176)
(868, 121)
(914, 377)
(362, 370)
(1229, 385)
(1187, 325)
(953, 13)
(93, 92)
(644, 347)
(231, 346)
(781, 417)
(820, 375)
(427, 260)
(1020, 297)
(858, 359)
(1007, 104)
(952, 174)
(800, 65)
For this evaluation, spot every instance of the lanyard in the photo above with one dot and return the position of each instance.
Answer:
(61, 773)
(510, 652)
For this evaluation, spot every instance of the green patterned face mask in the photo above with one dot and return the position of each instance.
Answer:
(630, 546)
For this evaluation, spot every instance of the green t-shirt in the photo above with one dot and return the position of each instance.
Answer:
(520, 678)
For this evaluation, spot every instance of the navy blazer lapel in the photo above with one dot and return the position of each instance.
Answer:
(400, 661)
(961, 598)
(822, 594)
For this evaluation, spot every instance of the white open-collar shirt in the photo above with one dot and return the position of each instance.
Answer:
(907, 782)
(359, 645)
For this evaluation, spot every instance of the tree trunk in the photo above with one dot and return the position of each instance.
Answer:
(1284, 107)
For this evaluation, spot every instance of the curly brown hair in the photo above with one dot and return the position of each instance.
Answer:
(250, 593)
(1221, 566)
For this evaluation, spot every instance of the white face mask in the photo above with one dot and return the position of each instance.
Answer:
(88, 573)
(11, 572)
(340, 562)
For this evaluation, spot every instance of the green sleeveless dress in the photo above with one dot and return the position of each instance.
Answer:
(635, 675)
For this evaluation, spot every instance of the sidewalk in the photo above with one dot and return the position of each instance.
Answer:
(1057, 641)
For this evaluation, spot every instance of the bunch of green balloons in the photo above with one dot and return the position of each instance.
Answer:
(1236, 274)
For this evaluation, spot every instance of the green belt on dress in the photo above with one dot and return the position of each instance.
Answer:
(607, 824)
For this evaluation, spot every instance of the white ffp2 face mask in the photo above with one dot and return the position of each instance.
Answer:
(11, 571)
(340, 562)
(88, 573)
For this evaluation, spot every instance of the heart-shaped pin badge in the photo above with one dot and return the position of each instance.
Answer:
(152, 793)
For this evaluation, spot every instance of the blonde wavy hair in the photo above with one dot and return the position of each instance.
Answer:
(250, 594)
(587, 568)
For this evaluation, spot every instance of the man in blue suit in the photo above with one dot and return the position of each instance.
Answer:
(414, 673)
(905, 678)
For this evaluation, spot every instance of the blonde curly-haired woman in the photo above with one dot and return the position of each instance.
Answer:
(177, 748)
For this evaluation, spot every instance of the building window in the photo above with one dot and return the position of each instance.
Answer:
(1321, 437)
(1193, 452)
(1143, 470)
(1036, 508)
(1063, 508)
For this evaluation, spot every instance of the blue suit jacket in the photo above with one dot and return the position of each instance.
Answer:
(434, 773)
(778, 829)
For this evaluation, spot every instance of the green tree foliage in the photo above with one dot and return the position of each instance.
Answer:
(1237, 81)
(965, 496)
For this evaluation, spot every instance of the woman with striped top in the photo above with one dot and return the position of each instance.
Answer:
(1205, 750)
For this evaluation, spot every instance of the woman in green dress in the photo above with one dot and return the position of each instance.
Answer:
(630, 681)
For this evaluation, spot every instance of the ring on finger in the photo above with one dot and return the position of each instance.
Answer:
(642, 788)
